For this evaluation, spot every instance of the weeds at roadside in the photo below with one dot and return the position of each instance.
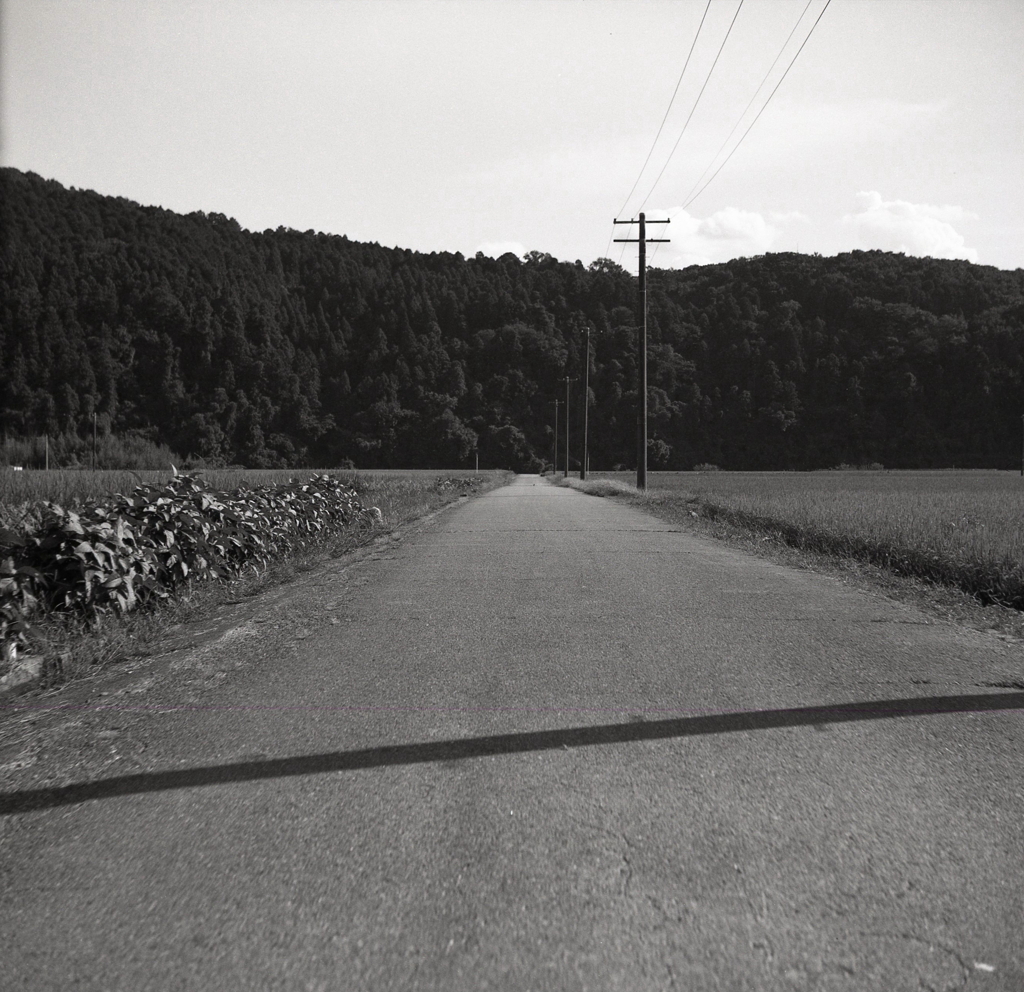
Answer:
(72, 650)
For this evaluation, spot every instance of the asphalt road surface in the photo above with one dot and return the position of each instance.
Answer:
(544, 741)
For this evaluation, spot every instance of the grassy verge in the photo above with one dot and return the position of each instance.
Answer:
(71, 652)
(949, 542)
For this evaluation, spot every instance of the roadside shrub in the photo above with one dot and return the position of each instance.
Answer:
(111, 556)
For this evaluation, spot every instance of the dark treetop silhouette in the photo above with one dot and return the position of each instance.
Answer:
(285, 348)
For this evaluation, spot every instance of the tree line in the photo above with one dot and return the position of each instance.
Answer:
(285, 348)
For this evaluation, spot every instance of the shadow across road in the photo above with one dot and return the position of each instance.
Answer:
(499, 744)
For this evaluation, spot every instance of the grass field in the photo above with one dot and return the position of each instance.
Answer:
(960, 528)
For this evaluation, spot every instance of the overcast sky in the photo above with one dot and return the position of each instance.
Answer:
(516, 125)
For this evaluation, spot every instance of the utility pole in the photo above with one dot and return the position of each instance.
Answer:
(554, 459)
(584, 465)
(567, 381)
(641, 400)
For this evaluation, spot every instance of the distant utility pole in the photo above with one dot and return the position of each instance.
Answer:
(641, 400)
(554, 459)
(586, 407)
(567, 381)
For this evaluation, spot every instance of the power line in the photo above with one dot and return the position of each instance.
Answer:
(665, 118)
(789, 37)
(661, 127)
(753, 98)
(695, 103)
(629, 231)
(761, 111)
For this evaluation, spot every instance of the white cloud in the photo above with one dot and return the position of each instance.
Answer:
(495, 249)
(912, 228)
(727, 233)
(789, 217)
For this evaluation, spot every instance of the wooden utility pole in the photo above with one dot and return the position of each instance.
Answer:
(567, 381)
(584, 465)
(554, 459)
(641, 400)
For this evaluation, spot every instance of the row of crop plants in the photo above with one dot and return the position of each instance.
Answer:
(113, 554)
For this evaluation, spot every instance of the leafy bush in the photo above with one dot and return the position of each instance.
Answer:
(113, 556)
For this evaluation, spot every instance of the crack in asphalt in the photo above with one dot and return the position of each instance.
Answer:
(930, 944)
(628, 869)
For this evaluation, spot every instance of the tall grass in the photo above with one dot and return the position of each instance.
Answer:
(69, 451)
(959, 528)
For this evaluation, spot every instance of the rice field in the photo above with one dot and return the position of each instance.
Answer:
(961, 528)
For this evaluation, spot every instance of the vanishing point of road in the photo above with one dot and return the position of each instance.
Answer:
(541, 741)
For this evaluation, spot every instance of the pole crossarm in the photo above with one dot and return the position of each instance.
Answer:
(642, 220)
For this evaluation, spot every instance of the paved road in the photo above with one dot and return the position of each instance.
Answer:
(544, 742)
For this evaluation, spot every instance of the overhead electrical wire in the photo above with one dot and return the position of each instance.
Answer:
(690, 199)
(695, 103)
(661, 127)
(691, 196)
(739, 120)
(629, 231)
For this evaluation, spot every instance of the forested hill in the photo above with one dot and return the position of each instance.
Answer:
(286, 348)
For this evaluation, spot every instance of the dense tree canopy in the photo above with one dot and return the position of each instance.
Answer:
(287, 348)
